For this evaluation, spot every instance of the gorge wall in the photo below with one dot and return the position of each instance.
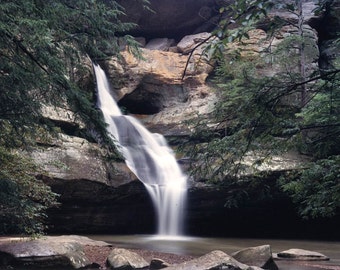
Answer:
(100, 195)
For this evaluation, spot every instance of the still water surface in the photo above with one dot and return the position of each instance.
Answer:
(199, 246)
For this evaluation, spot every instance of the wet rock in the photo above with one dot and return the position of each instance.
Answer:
(260, 256)
(214, 260)
(158, 264)
(302, 254)
(120, 258)
(48, 252)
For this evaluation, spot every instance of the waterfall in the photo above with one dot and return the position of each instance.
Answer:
(149, 158)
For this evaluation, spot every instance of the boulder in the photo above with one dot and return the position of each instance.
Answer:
(120, 258)
(302, 255)
(158, 264)
(214, 260)
(48, 252)
(188, 43)
(260, 256)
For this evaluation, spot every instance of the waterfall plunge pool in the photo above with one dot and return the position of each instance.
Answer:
(197, 246)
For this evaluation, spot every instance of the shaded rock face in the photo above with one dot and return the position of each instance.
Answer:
(91, 207)
(328, 30)
(171, 18)
(328, 25)
(144, 101)
(274, 217)
(97, 193)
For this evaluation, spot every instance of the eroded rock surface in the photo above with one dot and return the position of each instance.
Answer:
(47, 252)
(302, 255)
(120, 258)
(157, 263)
(260, 256)
(164, 88)
(74, 158)
(214, 260)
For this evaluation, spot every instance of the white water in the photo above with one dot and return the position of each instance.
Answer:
(149, 157)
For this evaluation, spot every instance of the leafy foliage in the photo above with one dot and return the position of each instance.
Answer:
(23, 198)
(244, 14)
(43, 48)
(41, 44)
(317, 189)
(268, 105)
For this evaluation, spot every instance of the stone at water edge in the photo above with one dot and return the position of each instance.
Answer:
(260, 256)
(121, 258)
(302, 254)
(48, 252)
(216, 259)
(158, 264)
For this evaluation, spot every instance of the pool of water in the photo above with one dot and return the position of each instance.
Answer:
(198, 246)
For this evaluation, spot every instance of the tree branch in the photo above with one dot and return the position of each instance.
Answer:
(26, 51)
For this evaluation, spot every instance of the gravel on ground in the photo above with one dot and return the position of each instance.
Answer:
(99, 254)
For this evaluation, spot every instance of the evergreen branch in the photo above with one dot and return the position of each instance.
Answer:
(246, 11)
(328, 135)
(322, 76)
(294, 86)
(192, 52)
(320, 126)
(26, 51)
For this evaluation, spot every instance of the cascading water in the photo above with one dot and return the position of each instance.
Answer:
(149, 157)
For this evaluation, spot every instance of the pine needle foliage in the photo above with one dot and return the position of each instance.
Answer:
(43, 45)
(23, 198)
(266, 106)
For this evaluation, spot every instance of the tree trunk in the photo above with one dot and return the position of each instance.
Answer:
(302, 62)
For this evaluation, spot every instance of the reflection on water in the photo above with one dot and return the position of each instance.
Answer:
(198, 246)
